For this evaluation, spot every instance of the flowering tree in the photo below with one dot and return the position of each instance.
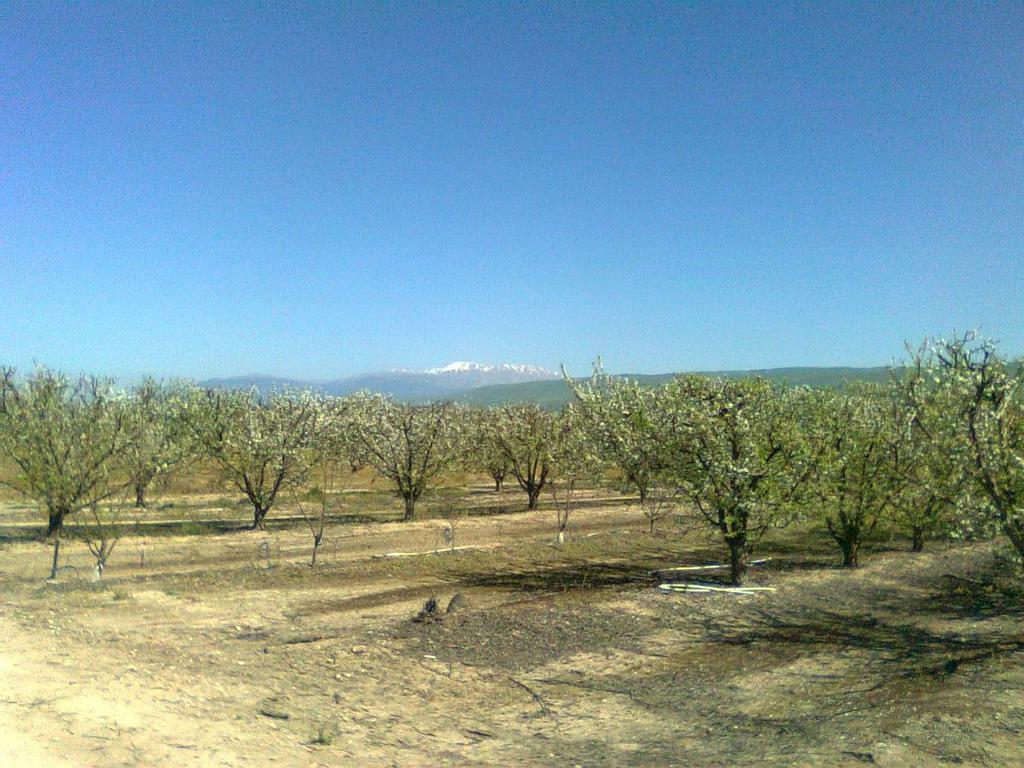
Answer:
(526, 435)
(860, 454)
(65, 438)
(156, 441)
(989, 397)
(625, 421)
(409, 445)
(262, 445)
(737, 457)
(935, 497)
(484, 451)
(573, 462)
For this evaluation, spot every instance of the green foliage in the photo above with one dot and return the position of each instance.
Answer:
(736, 456)
(627, 423)
(65, 439)
(936, 498)
(484, 451)
(936, 450)
(858, 442)
(554, 394)
(987, 397)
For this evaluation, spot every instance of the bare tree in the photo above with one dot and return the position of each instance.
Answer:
(316, 517)
(659, 502)
(450, 533)
(101, 531)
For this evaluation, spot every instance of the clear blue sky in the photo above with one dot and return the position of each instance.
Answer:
(317, 190)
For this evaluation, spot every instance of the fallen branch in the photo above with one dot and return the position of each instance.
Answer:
(308, 639)
(536, 696)
(276, 714)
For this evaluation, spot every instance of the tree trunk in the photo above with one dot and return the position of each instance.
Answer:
(850, 553)
(140, 495)
(410, 508)
(497, 483)
(643, 492)
(258, 516)
(56, 553)
(917, 540)
(1013, 528)
(56, 520)
(533, 492)
(737, 560)
(652, 526)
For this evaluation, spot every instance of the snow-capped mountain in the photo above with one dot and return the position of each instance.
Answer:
(431, 384)
(526, 371)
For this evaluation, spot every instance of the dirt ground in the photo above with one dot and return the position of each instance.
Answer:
(229, 650)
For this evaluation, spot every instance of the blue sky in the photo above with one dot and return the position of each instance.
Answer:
(318, 190)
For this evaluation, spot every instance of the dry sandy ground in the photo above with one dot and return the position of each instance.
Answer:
(220, 652)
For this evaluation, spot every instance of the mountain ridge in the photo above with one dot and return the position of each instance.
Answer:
(418, 385)
(468, 382)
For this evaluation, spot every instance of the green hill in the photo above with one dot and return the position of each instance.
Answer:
(554, 393)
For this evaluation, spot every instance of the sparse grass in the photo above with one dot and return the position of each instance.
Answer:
(325, 735)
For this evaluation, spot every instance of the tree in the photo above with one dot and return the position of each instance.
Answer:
(525, 435)
(332, 444)
(573, 461)
(101, 530)
(409, 445)
(736, 457)
(989, 398)
(263, 445)
(860, 453)
(624, 420)
(316, 518)
(65, 438)
(484, 452)
(156, 443)
(934, 497)
(660, 501)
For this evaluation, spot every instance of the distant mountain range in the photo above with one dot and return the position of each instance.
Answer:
(447, 382)
(555, 394)
(481, 384)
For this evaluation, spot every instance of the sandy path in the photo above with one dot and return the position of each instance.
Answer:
(74, 709)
